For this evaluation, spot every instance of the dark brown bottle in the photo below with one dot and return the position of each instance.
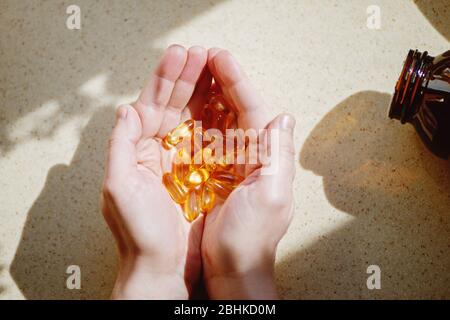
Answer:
(422, 98)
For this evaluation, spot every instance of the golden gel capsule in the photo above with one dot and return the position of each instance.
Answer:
(225, 161)
(222, 189)
(218, 103)
(176, 190)
(182, 156)
(197, 140)
(177, 134)
(203, 157)
(197, 159)
(222, 114)
(209, 162)
(207, 199)
(196, 177)
(181, 164)
(208, 157)
(180, 171)
(227, 177)
(217, 113)
(192, 205)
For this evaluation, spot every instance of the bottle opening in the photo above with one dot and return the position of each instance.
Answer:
(409, 86)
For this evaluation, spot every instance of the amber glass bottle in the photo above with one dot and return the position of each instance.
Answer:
(422, 98)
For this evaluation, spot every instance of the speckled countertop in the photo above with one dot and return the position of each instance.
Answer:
(367, 191)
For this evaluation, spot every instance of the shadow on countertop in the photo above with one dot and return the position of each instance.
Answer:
(398, 193)
(438, 13)
(2, 288)
(65, 226)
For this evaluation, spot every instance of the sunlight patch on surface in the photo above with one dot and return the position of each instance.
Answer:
(37, 120)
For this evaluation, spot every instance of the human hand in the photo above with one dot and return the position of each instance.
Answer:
(241, 235)
(159, 251)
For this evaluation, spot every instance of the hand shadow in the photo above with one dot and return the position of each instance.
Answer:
(438, 13)
(65, 226)
(379, 172)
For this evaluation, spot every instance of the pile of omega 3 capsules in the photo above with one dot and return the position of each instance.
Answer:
(201, 174)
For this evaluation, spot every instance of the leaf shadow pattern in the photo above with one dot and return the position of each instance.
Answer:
(45, 62)
(438, 13)
(398, 193)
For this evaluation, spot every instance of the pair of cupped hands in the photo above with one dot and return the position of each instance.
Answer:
(232, 249)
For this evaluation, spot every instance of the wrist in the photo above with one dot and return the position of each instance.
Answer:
(138, 279)
(246, 276)
(257, 284)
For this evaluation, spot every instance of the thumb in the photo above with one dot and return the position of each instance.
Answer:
(122, 143)
(280, 169)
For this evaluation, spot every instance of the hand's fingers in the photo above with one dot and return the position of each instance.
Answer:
(157, 92)
(185, 85)
(280, 170)
(199, 96)
(183, 89)
(122, 144)
(251, 108)
(211, 55)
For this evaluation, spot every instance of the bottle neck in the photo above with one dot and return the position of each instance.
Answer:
(410, 86)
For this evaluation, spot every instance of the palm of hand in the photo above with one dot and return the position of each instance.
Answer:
(166, 229)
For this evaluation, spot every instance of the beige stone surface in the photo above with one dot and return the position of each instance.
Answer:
(367, 191)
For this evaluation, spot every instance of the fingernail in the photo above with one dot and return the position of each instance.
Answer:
(287, 122)
(122, 112)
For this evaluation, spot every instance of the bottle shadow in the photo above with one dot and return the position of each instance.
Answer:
(438, 13)
(65, 226)
(398, 194)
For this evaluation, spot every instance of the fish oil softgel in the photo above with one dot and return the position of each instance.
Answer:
(217, 115)
(177, 134)
(199, 177)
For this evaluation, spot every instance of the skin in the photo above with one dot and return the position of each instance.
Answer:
(161, 255)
